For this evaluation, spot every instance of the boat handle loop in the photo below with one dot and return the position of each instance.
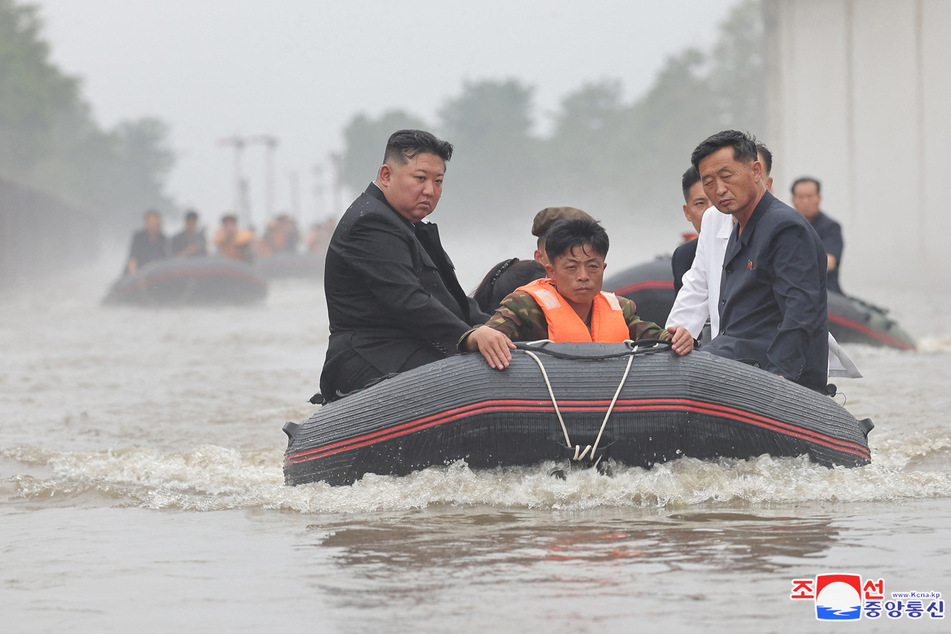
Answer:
(579, 452)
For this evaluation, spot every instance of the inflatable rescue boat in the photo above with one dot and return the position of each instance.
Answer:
(190, 281)
(636, 404)
(291, 265)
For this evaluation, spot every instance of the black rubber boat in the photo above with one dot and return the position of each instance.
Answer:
(636, 406)
(207, 280)
(851, 320)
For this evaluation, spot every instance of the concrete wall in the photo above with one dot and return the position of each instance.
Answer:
(41, 235)
(860, 98)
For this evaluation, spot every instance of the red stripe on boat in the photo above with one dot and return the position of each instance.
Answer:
(577, 406)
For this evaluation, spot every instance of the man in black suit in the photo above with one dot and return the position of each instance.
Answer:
(148, 244)
(392, 295)
(773, 309)
(806, 199)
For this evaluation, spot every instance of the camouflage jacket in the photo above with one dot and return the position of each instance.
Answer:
(520, 318)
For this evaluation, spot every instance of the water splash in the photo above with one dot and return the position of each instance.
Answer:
(212, 478)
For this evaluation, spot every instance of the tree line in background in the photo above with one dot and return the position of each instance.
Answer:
(619, 157)
(49, 139)
(600, 151)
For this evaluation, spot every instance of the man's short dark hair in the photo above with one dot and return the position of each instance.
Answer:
(767, 157)
(567, 234)
(405, 144)
(690, 178)
(191, 214)
(229, 218)
(743, 144)
(805, 179)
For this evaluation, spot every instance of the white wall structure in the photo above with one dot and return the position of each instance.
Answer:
(860, 98)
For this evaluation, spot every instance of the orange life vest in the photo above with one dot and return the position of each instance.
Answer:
(607, 319)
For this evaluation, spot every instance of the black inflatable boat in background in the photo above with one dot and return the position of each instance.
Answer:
(210, 280)
(651, 286)
(291, 265)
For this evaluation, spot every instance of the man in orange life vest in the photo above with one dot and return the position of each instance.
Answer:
(568, 305)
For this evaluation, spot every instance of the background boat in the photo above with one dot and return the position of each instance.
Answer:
(291, 265)
(190, 281)
(851, 320)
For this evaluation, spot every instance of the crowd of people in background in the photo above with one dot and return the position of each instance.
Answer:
(282, 235)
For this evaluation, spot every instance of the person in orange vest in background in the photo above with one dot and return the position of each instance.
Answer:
(234, 243)
(319, 234)
(569, 304)
(281, 236)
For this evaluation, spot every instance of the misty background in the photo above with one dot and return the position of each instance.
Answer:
(111, 108)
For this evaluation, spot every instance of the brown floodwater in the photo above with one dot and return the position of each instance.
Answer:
(141, 488)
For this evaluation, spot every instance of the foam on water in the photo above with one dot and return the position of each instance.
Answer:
(216, 478)
(935, 344)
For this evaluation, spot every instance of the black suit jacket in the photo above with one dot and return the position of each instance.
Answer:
(392, 295)
(773, 306)
(681, 261)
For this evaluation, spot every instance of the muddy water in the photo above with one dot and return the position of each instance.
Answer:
(141, 487)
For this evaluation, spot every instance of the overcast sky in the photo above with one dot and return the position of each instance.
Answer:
(301, 69)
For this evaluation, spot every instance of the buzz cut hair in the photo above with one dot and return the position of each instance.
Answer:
(763, 151)
(690, 178)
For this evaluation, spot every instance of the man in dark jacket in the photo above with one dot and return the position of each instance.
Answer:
(148, 244)
(190, 241)
(392, 295)
(806, 200)
(773, 309)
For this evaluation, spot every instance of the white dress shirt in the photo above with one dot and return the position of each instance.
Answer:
(698, 299)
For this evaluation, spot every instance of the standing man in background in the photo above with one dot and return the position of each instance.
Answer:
(806, 200)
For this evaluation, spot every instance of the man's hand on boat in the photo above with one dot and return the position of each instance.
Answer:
(681, 340)
(497, 348)
(494, 346)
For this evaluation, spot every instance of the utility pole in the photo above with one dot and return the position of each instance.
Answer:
(270, 143)
(241, 206)
(319, 190)
(295, 195)
(336, 161)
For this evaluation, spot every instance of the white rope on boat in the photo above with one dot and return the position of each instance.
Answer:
(627, 370)
(579, 452)
(551, 393)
